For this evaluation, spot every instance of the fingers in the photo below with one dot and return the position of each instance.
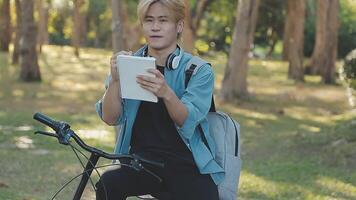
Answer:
(113, 64)
(127, 53)
(113, 57)
(149, 79)
(151, 86)
(156, 72)
(158, 76)
(147, 83)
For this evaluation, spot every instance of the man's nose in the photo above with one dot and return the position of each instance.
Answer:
(155, 26)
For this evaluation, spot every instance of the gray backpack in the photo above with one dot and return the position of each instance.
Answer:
(226, 134)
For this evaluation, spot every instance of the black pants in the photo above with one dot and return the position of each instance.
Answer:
(181, 182)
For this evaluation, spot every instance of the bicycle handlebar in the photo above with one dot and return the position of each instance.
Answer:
(47, 121)
(64, 133)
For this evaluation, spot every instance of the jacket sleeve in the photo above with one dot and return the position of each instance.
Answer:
(98, 106)
(197, 99)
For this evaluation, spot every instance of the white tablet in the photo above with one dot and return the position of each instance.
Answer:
(129, 67)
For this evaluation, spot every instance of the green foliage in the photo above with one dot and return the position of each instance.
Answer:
(350, 69)
(347, 30)
(58, 23)
(218, 24)
(132, 10)
(309, 28)
(219, 21)
(99, 23)
(270, 21)
(216, 27)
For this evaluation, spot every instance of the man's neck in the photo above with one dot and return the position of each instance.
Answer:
(161, 54)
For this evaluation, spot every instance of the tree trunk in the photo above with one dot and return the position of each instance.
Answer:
(320, 35)
(16, 52)
(296, 17)
(42, 36)
(188, 33)
(131, 33)
(286, 36)
(117, 26)
(235, 80)
(5, 26)
(192, 22)
(328, 69)
(77, 26)
(118, 34)
(83, 28)
(325, 48)
(30, 70)
(274, 39)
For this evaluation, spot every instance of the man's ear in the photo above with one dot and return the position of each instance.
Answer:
(180, 26)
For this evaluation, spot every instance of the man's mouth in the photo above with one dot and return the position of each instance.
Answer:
(156, 36)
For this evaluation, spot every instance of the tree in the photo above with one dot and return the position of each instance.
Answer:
(235, 78)
(192, 22)
(286, 39)
(325, 49)
(117, 26)
(30, 70)
(77, 25)
(16, 52)
(117, 35)
(295, 21)
(131, 32)
(5, 26)
(42, 36)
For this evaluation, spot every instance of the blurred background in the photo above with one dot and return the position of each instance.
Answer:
(284, 69)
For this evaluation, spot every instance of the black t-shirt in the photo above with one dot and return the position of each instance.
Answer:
(154, 132)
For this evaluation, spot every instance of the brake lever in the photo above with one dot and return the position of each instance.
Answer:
(137, 165)
(47, 133)
(151, 162)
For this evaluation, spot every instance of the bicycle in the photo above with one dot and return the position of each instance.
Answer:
(64, 133)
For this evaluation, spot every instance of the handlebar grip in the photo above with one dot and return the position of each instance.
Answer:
(47, 121)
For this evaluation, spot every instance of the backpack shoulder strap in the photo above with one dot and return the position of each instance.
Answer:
(191, 68)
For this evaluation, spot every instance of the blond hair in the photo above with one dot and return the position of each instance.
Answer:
(176, 6)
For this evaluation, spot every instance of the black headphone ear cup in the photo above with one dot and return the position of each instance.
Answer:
(169, 60)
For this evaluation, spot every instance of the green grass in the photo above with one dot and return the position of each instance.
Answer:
(298, 140)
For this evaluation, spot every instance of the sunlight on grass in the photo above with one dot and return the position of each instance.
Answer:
(250, 113)
(24, 142)
(309, 128)
(251, 183)
(18, 93)
(341, 188)
(303, 113)
(99, 135)
(312, 79)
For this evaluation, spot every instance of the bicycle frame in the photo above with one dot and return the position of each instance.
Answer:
(87, 173)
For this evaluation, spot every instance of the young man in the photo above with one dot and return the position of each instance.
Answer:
(165, 131)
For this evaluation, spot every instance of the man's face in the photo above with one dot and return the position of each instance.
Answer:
(160, 28)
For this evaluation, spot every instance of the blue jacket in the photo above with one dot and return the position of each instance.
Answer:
(197, 99)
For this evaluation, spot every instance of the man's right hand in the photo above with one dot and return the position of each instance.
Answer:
(113, 64)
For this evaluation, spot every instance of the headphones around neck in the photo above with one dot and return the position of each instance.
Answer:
(173, 58)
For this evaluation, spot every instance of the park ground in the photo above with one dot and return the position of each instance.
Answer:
(298, 139)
